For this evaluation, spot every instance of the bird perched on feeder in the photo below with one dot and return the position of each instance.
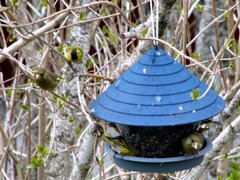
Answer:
(112, 130)
(204, 125)
(193, 143)
(46, 79)
(116, 141)
(73, 54)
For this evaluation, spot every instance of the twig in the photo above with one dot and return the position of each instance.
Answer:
(218, 143)
(179, 52)
(185, 28)
(98, 76)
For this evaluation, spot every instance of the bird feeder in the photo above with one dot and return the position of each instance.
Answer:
(152, 105)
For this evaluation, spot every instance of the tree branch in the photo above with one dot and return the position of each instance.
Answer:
(228, 133)
(165, 8)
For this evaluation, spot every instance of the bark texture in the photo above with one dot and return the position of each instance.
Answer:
(207, 38)
(61, 166)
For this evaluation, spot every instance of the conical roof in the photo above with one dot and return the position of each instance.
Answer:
(156, 91)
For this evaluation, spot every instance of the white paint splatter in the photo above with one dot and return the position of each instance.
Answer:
(180, 108)
(144, 70)
(117, 83)
(158, 98)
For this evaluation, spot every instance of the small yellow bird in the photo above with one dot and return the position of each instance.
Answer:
(73, 54)
(119, 145)
(114, 138)
(205, 125)
(193, 143)
(112, 130)
(45, 79)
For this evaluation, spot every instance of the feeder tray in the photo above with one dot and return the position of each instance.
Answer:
(159, 165)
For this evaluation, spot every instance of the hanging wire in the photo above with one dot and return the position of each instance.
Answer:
(155, 22)
(152, 16)
(157, 18)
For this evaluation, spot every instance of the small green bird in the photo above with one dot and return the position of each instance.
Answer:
(73, 54)
(46, 79)
(112, 130)
(114, 138)
(193, 143)
(119, 145)
(206, 124)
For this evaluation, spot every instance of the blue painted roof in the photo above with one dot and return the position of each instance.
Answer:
(156, 91)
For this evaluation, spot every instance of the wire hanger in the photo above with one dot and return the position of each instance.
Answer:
(155, 21)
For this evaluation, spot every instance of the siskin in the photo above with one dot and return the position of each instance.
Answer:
(119, 145)
(116, 141)
(112, 130)
(205, 125)
(193, 143)
(46, 79)
(73, 54)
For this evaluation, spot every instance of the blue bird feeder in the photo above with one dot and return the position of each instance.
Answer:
(152, 105)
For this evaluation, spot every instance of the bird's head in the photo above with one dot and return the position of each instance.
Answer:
(74, 54)
(112, 130)
(97, 130)
(196, 145)
(38, 73)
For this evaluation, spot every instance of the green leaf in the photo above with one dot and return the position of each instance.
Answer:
(196, 56)
(199, 8)
(78, 130)
(14, 2)
(82, 16)
(35, 163)
(25, 107)
(230, 43)
(234, 175)
(91, 62)
(179, 8)
(60, 103)
(144, 32)
(105, 11)
(9, 92)
(42, 152)
(219, 178)
(113, 37)
(99, 161)
(225, 16)
(195, 94)
(230, 66)
(71, 119)
(135, 25)
(225, 155)
(105, 30)
(60, 48)
(44, 3)
(238, 109)
(11, 35)
(234, 166)
(39, 148)
(116, 1)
